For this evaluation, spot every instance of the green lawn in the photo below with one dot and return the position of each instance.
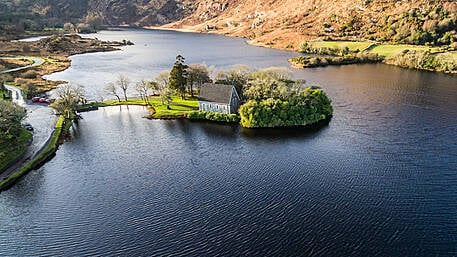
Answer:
(14, 151)
(391, 50)
(353, 46)
(386, 50)
(178, 107)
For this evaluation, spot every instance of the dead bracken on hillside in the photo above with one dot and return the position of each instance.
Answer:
(278, 23)
(287, 23)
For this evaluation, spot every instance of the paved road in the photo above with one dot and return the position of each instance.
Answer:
(40, 116)
(36, 62)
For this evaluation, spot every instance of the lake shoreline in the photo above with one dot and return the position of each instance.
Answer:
(54, 52)
(184, 30)
(384, 168)
(15, 172)
(298, 64)
(335, 53)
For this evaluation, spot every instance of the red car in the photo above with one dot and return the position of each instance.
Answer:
(43, 100)
(35, 99)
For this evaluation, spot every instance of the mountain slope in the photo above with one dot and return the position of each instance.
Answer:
(275, 23)
(286, 23)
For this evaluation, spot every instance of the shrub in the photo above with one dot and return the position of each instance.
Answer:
(309, 61)
(213, 116)
(421, 60)
(309, 106)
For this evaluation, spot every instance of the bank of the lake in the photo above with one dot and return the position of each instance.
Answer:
(431, 58)
(176, 109)
(379, 180)
(437, 59)
(48, 150)
(49, 55)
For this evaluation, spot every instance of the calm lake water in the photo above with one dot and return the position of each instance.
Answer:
(379, 180)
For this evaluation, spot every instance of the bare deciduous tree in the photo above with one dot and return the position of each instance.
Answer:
(123, 83)
(166, 96)
(163, 78)
(69, 96)
(143, 88)
(112, 89)
(154, 86)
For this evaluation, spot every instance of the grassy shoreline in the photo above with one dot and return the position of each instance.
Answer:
(45, 154)
(438, 59)
(178, 108)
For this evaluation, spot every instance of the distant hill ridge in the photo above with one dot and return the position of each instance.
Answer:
(275, 23)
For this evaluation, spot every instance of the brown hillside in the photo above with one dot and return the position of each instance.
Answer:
(286, 23)
(275, 23)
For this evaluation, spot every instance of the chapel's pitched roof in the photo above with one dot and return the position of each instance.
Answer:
(217, 93)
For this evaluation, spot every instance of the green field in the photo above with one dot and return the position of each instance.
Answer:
(353, 46)
(385, 50)
(441, 59)
(178, 107)
(391, 50)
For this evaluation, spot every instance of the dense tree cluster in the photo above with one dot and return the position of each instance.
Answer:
(306, 107)
(273, 99)
(322, 61)
(422, 60)
(11, 116)
(435, 26)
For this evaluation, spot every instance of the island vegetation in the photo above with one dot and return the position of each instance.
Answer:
(273, 99)
(300, 107)
(270, 97)
(431, 58)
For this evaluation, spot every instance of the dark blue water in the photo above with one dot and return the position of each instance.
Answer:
(379, 180)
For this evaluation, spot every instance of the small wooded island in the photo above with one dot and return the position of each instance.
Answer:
(269, 98)
(266, 98)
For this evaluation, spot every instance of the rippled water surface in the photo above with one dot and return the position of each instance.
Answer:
(379, 180)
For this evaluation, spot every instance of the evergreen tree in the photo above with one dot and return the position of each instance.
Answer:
(178, 76)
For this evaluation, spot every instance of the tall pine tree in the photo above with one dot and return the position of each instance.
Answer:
(178, 76)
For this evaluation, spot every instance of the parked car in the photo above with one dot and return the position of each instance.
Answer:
(43, 100)
(27, 126)
(35, 99)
